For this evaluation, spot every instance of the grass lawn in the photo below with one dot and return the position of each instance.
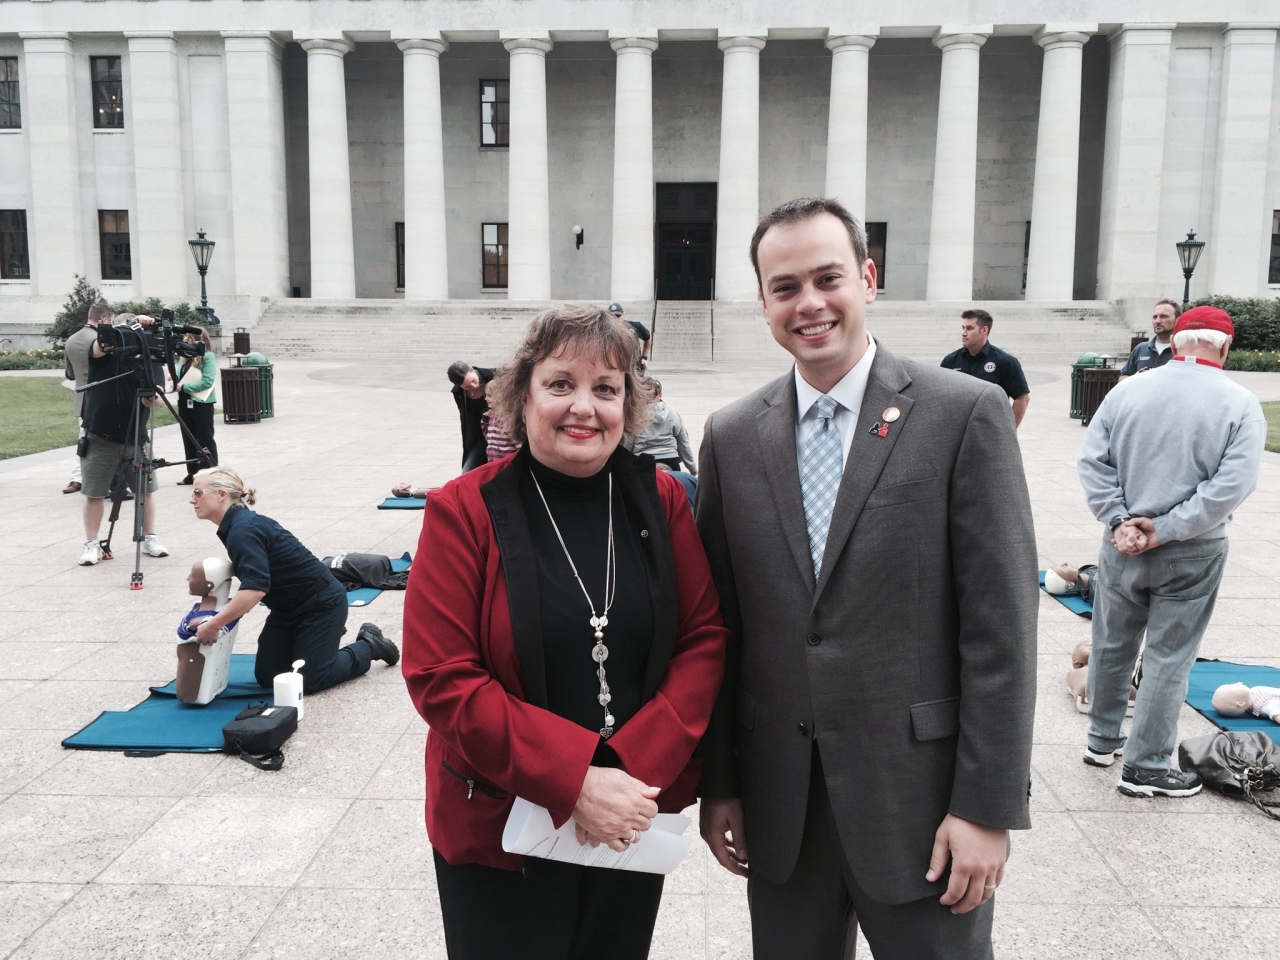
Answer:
(37, 416)
(1272, 412)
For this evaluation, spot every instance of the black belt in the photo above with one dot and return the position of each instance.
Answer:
(317, 585)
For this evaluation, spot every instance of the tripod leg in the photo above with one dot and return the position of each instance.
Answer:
(141, 468)
(117, 498)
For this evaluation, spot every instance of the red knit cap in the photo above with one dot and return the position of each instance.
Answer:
(1205, 318)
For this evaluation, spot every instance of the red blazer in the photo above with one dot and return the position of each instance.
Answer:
(474, 666)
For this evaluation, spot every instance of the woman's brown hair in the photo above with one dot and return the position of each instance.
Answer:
(571, 328)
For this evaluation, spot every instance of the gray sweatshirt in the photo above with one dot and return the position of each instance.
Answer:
(666, 437)
(1182, 445)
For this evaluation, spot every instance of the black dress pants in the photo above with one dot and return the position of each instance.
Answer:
(198, 418)
(551, 911)
(812, 914)
(311, 633)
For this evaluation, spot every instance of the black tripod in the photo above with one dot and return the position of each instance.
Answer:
(142, 430)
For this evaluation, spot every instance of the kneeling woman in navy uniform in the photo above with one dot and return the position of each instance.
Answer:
(308, 606)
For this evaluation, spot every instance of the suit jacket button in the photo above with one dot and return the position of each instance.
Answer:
(803, 728)
(813, 639)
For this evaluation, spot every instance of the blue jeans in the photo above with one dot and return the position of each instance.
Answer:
(1169, 592)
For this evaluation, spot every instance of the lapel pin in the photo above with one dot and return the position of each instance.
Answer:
(890, 414)
(879, 429)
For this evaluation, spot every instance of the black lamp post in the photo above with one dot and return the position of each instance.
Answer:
(1189, 251)
(202, 251)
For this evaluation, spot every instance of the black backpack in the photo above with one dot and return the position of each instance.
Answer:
(257, 733)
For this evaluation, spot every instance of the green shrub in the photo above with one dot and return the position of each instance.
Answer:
(1257, 320)
(31, 360)
(1254, 361)
(74, 313)
(183, 313)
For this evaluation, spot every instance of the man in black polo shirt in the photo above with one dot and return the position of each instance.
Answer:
(984, 360)
(468, 393)
(1157, 351)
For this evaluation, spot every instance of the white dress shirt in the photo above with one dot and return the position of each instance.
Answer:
(848, 397)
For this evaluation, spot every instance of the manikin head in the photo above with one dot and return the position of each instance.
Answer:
(1080, 655)
(210, 577)
(1231, 699)
(1055, 583)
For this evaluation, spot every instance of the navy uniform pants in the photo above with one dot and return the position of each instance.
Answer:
(311, 632)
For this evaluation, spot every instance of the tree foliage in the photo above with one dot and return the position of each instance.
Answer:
(1256, 319)
(75, 312)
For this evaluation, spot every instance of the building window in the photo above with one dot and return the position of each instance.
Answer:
(494, 237)
(113, 239)
(10, 106)
(400, 256)
(108, 93)
(495, 113)
(1026, 255)
(1273, 271)
(14, 262)
(877, 240)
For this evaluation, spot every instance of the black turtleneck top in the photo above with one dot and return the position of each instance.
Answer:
(580, 508)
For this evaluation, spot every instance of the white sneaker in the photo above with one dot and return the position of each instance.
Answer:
(152, 546)
(92, 553)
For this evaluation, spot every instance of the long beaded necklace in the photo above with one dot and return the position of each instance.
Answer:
(599, 653)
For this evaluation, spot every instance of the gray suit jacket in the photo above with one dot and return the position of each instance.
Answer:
(911, 658)
(76, 362)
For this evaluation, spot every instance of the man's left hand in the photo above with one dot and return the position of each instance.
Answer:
(977, 856)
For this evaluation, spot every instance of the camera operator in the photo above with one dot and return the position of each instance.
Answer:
(109, 423)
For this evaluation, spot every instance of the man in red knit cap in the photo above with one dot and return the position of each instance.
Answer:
(1166, 460)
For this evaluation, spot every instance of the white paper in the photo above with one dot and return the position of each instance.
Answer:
(660, 849)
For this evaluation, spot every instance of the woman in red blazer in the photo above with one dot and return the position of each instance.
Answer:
(562, 639)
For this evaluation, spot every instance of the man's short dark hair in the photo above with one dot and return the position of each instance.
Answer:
(458, 371)
(983, 318)
(1177, 307)
(806, 208)
(100, 311)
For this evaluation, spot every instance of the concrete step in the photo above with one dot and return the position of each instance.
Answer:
(683, 332)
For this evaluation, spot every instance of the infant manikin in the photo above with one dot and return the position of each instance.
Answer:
(1061, 579)
(1078, 676)
(1235, 699)
(202, 672)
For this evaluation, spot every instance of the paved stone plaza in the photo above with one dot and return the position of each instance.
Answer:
(203, 856)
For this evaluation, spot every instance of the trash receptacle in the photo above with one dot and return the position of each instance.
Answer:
(1098, 382)
(1078, 368)
(241, 395)
(241, 339)
(265, 378)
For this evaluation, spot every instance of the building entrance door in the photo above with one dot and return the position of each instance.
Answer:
(686, 229)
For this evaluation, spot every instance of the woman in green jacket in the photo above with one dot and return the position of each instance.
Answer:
(196, 396)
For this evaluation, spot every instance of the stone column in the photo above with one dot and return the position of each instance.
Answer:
(426, 260)
(55, 225)
(1052, 256)
(528, 204)
(631, 274)
(738, 194)
(158, 234)
(1132, 161)
(1239, 241)
(333, 258)
(955, 166)
(259, 202)
(847, 121)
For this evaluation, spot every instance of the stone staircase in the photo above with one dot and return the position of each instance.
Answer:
(694, 332)
(682, 332)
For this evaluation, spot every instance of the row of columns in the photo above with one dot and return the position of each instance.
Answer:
(1131, 192)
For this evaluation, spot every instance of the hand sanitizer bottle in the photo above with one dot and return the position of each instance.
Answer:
(288, 688)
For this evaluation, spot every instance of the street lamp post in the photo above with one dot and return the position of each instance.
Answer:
(1189, 251)
(202, 251)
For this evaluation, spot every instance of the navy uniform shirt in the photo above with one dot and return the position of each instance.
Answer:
(992, 365)
(269, 558)
(1145, 356)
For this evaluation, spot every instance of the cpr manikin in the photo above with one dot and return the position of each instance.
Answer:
(1078, 675)
(1236, 699)
(202, 670)
(1061, 579)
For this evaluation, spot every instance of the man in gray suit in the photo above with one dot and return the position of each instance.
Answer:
(869, 530)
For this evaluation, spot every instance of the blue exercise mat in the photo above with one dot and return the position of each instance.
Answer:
(1077, 605)
(403, 503)
(164, 724)
(363, 596)
(1208, 675)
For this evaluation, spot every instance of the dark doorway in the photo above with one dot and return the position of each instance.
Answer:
(686, 234)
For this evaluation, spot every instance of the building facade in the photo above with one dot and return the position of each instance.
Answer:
(550, 149)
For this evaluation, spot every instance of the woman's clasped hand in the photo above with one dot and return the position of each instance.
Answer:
(611, 806)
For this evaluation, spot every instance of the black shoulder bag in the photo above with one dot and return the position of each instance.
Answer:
(1236, 764)
(257, 733)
